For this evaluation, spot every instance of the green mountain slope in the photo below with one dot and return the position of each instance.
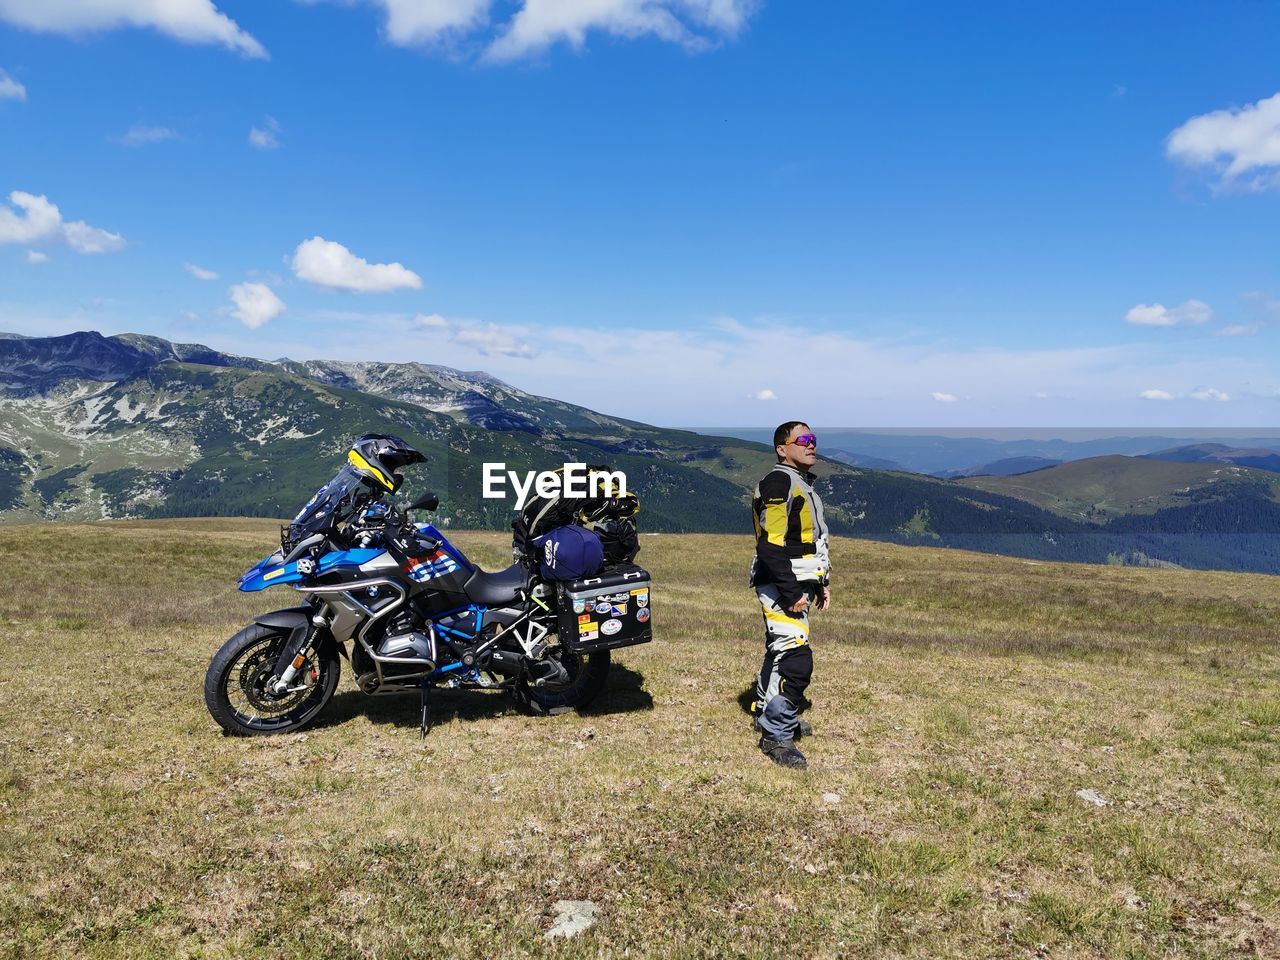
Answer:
(1099, 488)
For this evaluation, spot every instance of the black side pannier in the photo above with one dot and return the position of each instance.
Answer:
(604, 612)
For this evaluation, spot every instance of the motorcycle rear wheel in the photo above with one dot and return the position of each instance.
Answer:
(587, 675)
(235, 685)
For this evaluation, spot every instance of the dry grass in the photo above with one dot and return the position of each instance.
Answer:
(961, 700)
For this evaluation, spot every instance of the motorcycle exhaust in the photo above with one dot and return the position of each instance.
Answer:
(506, 663)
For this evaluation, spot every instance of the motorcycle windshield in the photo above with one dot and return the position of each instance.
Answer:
(336, 502)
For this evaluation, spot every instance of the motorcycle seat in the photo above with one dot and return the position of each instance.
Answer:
(496, 589)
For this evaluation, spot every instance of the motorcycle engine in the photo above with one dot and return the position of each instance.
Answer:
(412, 645)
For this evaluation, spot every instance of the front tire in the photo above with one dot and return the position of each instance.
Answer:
(587, 675)
(235, 685)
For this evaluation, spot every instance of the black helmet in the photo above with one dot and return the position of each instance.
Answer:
(382, 458)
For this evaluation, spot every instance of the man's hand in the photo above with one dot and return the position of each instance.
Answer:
(826, 599)
(800, 606)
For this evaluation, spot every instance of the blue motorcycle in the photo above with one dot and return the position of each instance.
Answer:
(409, 611)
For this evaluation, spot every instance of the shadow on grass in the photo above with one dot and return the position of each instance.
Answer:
(623, 693)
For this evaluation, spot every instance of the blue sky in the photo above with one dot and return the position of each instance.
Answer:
(683, 211)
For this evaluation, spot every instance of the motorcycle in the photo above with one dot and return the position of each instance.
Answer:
(416, 615)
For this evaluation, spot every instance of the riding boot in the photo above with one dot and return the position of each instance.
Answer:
(783, 753)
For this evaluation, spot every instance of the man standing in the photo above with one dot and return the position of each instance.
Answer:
(790, 574)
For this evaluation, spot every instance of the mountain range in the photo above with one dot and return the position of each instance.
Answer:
(961, 453)
(95, 427)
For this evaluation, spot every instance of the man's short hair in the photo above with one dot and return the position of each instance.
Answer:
(784, 430)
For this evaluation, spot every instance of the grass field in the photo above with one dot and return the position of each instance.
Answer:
(961, 701)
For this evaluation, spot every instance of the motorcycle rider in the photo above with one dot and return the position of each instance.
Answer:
(790, 574)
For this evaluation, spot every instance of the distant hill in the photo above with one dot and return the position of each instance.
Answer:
(861, 460)
(1193, 514)
(1008, 467)
(1099, 488)
(1262, 458)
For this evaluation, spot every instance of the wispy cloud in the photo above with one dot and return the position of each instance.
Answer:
(1199, 393)
(32, 219)
(487, 339)
(35, 256)
(1189, 313)
(329, 264)
(11, 89)
(1239, 147)
(1209, 393)
(765, 394)
(944, 397)
(850, 380)
(200, 273)
(189, 21)
(139, 135)
(267, 136)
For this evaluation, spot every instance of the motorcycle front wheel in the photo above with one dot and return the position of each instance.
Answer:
(236, 691)
(587, 673)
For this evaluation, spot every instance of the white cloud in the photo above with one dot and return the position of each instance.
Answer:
(944, 397)
(1209, 393)
(37, 221)
(538, 24)
(35, 256)
(489, 339)
(1199, 393)
(190, 21)
(139, 134)
(765, 395)
(1239, 330)
(255, 304)
(11, 89)
(693, 24)
(426, 21)
(83, 238)
(1241, 146)
(200, 273)
(332, 265)
(266, 137)
(1190, 313)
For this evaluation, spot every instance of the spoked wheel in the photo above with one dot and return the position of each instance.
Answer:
(586, 675)
(237, 691)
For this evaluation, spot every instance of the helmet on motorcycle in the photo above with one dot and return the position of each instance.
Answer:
(382, 458)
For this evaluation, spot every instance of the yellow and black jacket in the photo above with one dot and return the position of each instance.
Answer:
(791, 534)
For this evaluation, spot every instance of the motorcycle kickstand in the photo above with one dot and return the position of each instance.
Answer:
(424, 720)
